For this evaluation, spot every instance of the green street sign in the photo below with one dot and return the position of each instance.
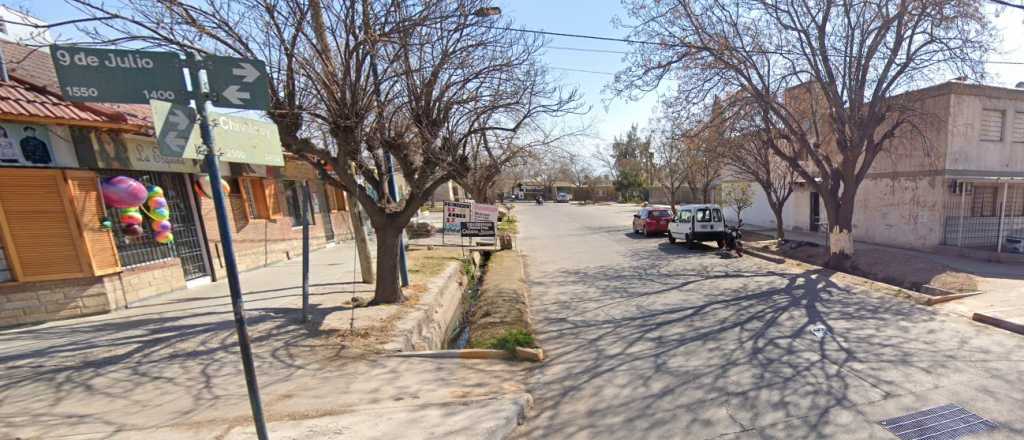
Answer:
(112, 75)
(241, 140)
(238, 82)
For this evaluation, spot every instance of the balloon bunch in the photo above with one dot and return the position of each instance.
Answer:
(127, 194)
(160, 214)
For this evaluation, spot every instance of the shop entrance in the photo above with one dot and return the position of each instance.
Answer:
(188, 240)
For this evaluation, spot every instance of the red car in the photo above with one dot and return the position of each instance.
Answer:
(651, 220)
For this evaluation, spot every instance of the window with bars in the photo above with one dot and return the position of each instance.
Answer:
(992, 122)
(984, 201)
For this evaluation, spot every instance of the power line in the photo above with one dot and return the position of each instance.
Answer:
(596, 72)
(653, 43)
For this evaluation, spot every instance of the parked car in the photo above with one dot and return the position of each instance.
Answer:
(652, 220)
(695, 223)
(563, 198)
(1015, 242)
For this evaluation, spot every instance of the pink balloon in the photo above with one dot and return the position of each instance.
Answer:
(123, 192)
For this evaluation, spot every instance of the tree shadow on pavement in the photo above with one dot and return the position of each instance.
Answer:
(717, 347)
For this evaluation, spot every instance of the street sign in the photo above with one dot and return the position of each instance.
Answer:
(113, 75)
(242, 140)
(477, 229)
(175, 126)
(238, 82)
(456, 213)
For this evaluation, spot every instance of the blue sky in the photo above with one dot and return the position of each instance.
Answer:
(609, 117)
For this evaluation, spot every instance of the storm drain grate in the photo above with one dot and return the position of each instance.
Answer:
(946, 422)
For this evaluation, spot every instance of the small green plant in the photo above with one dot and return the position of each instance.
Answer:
(469, 269)
(510, 340)
(509, 224)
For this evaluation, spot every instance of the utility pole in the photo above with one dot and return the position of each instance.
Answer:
(307, 205)
(403, 264)
(359, 236)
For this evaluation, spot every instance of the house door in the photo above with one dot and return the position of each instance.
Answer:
(815, 212)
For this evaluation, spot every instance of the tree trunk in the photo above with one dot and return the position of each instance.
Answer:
(359, 236)
(388, 289)
(780, 231)
(840, 237)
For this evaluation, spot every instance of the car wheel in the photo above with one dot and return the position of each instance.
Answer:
(720, 243)
(671, 239)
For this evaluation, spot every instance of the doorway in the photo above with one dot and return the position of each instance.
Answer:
(815, 212)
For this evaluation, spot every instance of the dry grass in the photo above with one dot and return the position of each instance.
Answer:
(426, 263)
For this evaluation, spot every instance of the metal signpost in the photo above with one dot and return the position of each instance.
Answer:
(103, 75)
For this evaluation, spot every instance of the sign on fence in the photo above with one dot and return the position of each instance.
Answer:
(477, 229)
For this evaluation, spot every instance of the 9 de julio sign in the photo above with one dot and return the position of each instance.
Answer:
(114, 75)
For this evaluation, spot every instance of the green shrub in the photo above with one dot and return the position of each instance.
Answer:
(510, 340)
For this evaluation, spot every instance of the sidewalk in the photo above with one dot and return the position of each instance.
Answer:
(169, 367)
(1001, 284)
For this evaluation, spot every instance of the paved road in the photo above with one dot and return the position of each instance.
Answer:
(651, 340)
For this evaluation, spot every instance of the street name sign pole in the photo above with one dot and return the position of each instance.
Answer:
(126, 76)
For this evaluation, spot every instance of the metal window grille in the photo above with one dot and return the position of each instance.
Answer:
(984, 215)
(187, 245)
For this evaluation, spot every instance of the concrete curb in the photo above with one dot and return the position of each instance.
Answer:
(469, 353)
(1009, 326)
(426, 325)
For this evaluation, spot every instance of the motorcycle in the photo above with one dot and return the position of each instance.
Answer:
(733, 234)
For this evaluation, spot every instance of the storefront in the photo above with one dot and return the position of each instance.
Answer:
(138, 157)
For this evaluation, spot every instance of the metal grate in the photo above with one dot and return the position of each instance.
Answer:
(946, 422)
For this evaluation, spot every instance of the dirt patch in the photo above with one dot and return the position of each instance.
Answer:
(890, 267)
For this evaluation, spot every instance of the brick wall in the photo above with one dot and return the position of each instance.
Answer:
(22, 303)
(148, 280)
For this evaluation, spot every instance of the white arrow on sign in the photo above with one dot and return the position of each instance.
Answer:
(234, 95)
(246, 71)
(179, 118)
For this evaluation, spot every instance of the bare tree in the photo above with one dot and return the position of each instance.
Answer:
(579, 169)
(854, 59)
(419, 83)
(671, 169)
(751, 157)
(738, 195)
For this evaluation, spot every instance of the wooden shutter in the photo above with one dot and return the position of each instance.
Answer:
(332, 198)
(88, 205)
(39, 226)
(1017, 133)
(273, 198)
(992, 125)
